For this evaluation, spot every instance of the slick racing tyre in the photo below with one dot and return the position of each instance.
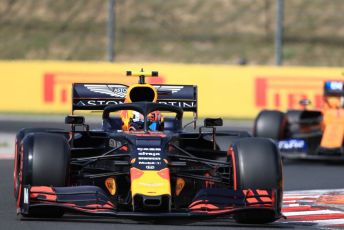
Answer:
(257, 165)
(44, 160)
(17, 158)
(270, 124)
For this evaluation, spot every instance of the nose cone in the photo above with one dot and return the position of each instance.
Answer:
(150, 189)
(150, 182)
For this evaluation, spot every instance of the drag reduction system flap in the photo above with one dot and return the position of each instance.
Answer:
(96, 96)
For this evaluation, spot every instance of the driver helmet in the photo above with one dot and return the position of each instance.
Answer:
(155, 121)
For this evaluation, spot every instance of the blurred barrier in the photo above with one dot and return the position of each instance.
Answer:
(227, 91)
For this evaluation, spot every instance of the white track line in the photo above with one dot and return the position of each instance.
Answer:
(308, 213)
(325, 222)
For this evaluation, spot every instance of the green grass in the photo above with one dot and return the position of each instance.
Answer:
(193, 31)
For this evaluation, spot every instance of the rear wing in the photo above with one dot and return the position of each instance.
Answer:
(96, 96)
(334, 88)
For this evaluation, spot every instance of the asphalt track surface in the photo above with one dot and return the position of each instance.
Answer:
(298, 175)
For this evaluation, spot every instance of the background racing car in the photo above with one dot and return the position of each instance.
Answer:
(308, 134)
(145, 172)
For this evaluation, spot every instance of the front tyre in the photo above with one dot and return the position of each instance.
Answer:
(44, 161)
(257, 165)
(17, 157)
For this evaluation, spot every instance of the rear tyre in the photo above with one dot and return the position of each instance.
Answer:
(270, 124)
(258, 166)
(44, 160)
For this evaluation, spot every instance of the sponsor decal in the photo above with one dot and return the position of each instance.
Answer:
(286, 92)
(292, 144)
(97, 102)
(180, 104)
(150, 158)
(115, 102)
(46, 86)
(118, 91)
(170, 88)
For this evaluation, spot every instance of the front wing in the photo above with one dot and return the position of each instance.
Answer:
(321, 154)
(93, 200)
(306, 156)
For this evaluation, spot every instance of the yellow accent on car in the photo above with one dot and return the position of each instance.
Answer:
(141, 92)
(149, 183)
(110, 184)
(180, 183)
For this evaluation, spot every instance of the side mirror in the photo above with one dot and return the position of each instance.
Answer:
(74, 120)
(211, 122)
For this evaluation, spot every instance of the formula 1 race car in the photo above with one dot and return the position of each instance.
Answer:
(141, 163)
(308, 134)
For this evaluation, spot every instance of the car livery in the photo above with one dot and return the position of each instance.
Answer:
(308, 134)
(168, 172)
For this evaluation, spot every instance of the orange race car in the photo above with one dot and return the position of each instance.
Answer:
(308, 134)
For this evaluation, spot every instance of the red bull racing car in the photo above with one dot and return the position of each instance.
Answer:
(142, 163)
(308, 134)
